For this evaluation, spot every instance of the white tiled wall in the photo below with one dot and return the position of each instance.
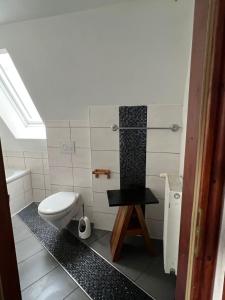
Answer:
(20, 192)
(37, 163)
(97, 146)
(162, 156)
(71, 171)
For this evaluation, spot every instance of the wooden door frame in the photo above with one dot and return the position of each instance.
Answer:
(203, 169)
(9, 277)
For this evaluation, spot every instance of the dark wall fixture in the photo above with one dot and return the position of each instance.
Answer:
(132, 196)
(133, 147)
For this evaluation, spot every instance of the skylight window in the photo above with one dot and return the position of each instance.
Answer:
(16, 106)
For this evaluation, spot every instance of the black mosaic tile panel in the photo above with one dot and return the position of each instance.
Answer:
(98, 278)
(132, 147)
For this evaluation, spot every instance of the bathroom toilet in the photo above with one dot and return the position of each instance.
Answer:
(59, 209)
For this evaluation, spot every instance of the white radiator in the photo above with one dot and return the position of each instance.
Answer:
(171, 231)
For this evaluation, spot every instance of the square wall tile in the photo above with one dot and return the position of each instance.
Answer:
(14, 153)
(102, 184)
(57, 123)
(85, 194)
(163, 141)
(28, 197)
(45, 153)
(16, 162)
(47, 182)
(32, 154)
(88, 211)
(48, 193)
(158, 163)
(45, 166)
(27, 184)
(38, 195)
(104, 139)
(61, 188)
(164, 115)
(61, 176)
(56, 136)
(101, 204)
(82, 177)
(38, 181)
(106, 160)
(103, 115)
(157, 185)
(57, 158)
(82, 158)
(79, 123)
(81, 137)
(103, 221)
(35, 165)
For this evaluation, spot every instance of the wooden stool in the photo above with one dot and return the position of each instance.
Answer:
(130, 218)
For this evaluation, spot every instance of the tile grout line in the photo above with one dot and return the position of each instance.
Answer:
(24, 289)
(30, 256)
(70, 293)
(18, 242)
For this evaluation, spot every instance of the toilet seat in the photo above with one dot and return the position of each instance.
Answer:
(57, 203)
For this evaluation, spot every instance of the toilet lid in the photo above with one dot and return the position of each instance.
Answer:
(57, 203)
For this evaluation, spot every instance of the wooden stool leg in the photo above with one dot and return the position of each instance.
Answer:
(141, 220)
(119, 230)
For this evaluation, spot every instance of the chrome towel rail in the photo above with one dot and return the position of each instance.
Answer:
(173, 127)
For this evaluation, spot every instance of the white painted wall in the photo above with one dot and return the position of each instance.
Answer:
(184, 123)
(129, 53)
(186, 93)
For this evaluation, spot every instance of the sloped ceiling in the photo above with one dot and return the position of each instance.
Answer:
(20, 10)
(129, 53)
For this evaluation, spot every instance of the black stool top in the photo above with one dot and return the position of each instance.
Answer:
(126, 197)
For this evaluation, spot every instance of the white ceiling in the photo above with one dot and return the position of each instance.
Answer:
(20, 10)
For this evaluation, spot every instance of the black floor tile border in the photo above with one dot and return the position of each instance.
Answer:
(99, 279)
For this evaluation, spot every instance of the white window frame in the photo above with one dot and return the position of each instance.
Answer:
(16, 106)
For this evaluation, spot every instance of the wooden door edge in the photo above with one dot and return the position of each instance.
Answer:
(197, 212)
(202, 244)
(204, 75)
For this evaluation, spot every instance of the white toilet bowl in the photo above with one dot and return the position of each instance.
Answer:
(59, 209)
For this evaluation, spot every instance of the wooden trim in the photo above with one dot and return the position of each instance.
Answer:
(8, 264)
(192, 138)
(211, 197)
(200, 159)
